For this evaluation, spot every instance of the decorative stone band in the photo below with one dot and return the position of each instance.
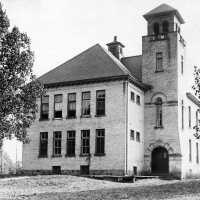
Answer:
(165, 103)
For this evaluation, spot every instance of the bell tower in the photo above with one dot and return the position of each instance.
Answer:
(163, 50)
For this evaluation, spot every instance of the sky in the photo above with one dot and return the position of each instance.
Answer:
(61, 29)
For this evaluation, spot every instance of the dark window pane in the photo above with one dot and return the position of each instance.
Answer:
(100, 102)
(44, 114)
(70, 143)
(86, 103)
(57, 139)
(100, 141)
(85, 142)
(43, 144)
(71, 113)
(58, 106)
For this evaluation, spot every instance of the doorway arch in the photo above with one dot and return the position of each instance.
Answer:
(160, 161)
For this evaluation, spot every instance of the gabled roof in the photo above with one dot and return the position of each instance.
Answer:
(94, 64)
(164, 9)
(134, 65)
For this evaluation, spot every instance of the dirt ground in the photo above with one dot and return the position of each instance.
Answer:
(71, 187)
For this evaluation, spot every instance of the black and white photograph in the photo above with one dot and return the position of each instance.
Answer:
(99, 99)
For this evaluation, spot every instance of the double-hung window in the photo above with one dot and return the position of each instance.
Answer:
(43, 145)
(71, 135)
(58, 106)
(85, 104)
(100, 141)
(85, 142)
(44, 114)
(100, 102)
(71, 107)
(57, 143)
(159, 62)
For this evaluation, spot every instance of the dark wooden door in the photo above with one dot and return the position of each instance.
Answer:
(160, 161)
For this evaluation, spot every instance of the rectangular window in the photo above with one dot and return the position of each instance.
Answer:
(85, 142)
(138, 136)
(43, 144)
(132, 135)
(197, 152)
(182, 113)
(71, 107)
(58, 106)
(138, 99)
(100, 141)
(57, 142)
(71, 135)
(44, 114)
(159, 61)
(85, 104)
(189, 116)
(182, 64)
(190, 150)
(100, 102)
(132, 96)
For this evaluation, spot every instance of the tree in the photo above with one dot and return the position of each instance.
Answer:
(196, 88)
(19, 87)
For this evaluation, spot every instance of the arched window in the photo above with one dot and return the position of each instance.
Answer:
(159, 118)
(165, 26)
(156, 28)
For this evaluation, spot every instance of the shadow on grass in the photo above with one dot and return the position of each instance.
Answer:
(139, 193)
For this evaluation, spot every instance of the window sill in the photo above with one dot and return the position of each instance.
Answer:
(99, 154)
(71, 117)
(70, 156)
(158, 127)
(56, 156)
(43, 119)
(100, 115)
(59, 118)
(42, 157)
(157, 71)
(86, 116)
(85, 155)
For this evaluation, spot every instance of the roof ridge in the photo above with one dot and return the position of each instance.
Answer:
(71, 59)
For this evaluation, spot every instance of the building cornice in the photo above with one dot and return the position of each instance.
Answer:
(193, 98)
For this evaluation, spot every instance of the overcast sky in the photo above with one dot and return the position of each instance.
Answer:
(60, 29)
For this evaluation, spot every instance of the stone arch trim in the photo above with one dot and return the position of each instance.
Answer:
(158, 94)
(159, 143)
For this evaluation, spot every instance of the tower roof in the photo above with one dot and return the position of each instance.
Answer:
(164, 9)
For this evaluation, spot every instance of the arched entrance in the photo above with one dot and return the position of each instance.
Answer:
(160, 161)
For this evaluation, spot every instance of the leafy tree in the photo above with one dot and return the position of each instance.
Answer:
(196, 88)
(18, 85)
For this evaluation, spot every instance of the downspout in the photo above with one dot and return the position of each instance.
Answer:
(126, 125)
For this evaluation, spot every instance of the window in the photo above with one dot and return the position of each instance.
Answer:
(132, 96)
(189, 116)
(57, 139)
(71, 135)
(43, 144)
(44, 114)
(58, 106)
(138, 99)
(132, 135)
(165, 27)
(100, 141)
(156, 29)
(190, 150)
(159, 114)
(159, 62)
(182, 64)
(182, 113)
(56, 169)
(197, 152)
(100, 102)
(197, 118)
(85, 142)
(138, 136)
(85, 104)
(71, 107)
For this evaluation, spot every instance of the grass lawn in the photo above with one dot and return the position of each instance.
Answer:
(70, 187)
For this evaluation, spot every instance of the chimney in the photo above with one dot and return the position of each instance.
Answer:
(116, 48)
